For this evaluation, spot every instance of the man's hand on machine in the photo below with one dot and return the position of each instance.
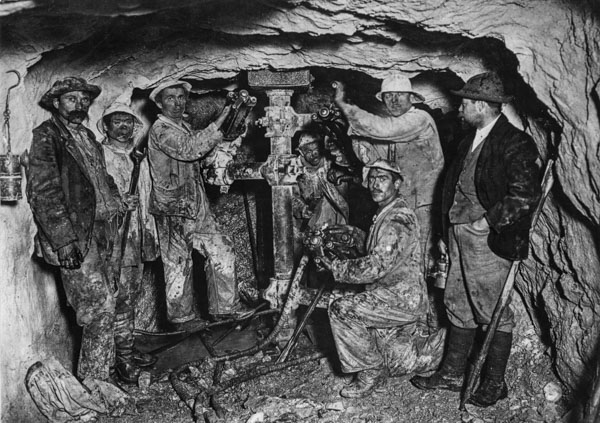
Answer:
(69, 256)
(323, 263)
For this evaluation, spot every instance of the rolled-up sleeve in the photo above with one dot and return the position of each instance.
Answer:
(403, 128)
(181, 145)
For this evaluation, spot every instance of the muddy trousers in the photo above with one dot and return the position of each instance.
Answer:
(475, 280)
(130, 282)
(89, 291)
(354, 320)
(178, 237)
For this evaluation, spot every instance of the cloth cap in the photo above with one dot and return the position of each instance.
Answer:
(485, 86)
(67, 85)
(385, 165)
(306, 139)
(117, 108)
(397, 83)
(168, 84)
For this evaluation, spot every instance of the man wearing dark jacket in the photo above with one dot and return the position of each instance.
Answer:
(77, 208)
(490, 193)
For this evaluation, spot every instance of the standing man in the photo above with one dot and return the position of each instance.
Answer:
(395, 293)
(120, 124)
(319, 202)
(77, 208)
(408, 137)
(180, 206)
(490, 193)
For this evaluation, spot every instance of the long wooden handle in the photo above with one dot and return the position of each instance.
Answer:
(505, 295)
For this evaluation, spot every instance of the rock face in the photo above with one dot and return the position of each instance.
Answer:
(545, 49)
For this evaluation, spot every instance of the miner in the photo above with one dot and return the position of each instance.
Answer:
(77, 208)
(489, 195)
(319, 202)
(184, 220)
(395, 293)
(120, 124)
(406, 136)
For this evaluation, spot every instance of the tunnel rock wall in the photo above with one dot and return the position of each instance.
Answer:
(555, 43)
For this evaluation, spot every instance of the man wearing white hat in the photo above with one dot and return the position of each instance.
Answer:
(121, 126)
(180, 206)
(395, 293)
(408, 137)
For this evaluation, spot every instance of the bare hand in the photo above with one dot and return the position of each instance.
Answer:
(340, 91)
(442, 247)
(131, 201)
(323, 262)
(481, 224)
(69, 256)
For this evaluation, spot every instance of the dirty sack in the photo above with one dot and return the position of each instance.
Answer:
(60, 396)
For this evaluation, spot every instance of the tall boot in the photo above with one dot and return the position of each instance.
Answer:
(493, 387)
(125, 366)
(450, 375)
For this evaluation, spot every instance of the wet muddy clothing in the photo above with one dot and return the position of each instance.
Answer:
(395, 293)
(320, 197)
(184, 220)
(142, 242)
(63, 192)
(412, 141)
(500, 181)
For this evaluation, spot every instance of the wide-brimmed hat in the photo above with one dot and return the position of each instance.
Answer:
(168, 84)
(385, 165)
(117, 108)
(67, 85)
(397, 82)
(485, 86)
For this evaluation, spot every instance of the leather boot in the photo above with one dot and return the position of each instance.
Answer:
(364, 383)
(143, 359)
(125, 367)
(493, 387)
(450, 375)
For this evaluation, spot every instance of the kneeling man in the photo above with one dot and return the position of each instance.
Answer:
(395, 295)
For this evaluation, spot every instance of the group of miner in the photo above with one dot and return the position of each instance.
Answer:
(85, 193)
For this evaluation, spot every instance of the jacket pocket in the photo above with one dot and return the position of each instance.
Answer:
(172, 201)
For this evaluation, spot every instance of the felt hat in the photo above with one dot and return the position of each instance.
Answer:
(397, 82)
(67, 85)
(168, 84)
(117, 107)
(485, 86)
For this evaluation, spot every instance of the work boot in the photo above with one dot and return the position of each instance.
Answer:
(364, 383)
(493, 387)
(142, 359)
(127, 371)
(451, 374)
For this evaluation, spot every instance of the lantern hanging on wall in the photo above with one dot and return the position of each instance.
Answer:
(10, 164)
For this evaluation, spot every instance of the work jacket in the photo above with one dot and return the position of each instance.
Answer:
(393, 257)
(507, 184)
(174, 151)
(60, 192)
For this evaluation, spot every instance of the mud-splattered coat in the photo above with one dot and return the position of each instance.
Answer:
(395, 293)
(185, 221)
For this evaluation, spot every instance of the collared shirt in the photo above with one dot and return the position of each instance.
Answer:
(107, 205)
(482, 133)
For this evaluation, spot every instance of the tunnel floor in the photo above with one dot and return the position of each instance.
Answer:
(309, 392)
